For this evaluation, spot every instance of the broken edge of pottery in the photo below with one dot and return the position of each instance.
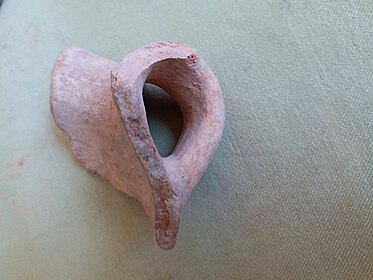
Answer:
(98, 104)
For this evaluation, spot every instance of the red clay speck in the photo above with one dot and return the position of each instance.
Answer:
(21, 162)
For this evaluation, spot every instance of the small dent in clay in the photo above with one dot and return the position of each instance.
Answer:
(191, 59)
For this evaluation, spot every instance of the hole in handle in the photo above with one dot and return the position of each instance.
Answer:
(164, 118)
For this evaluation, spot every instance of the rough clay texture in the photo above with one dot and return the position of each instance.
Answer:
(98, 104)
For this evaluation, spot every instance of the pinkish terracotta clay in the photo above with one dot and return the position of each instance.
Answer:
(98, 104)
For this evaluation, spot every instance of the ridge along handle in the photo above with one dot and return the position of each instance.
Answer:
(186, 77)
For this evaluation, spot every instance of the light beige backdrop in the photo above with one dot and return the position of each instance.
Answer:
(289, 194)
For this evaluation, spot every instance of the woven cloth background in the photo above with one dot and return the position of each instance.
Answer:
(289, 193)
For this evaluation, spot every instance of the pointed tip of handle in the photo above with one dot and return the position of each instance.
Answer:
(164, 240)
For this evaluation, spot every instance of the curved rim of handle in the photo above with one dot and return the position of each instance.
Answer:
(186, 77)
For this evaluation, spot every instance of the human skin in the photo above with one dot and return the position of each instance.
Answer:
(98, 104)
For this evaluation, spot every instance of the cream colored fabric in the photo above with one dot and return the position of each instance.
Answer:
(289, 194)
